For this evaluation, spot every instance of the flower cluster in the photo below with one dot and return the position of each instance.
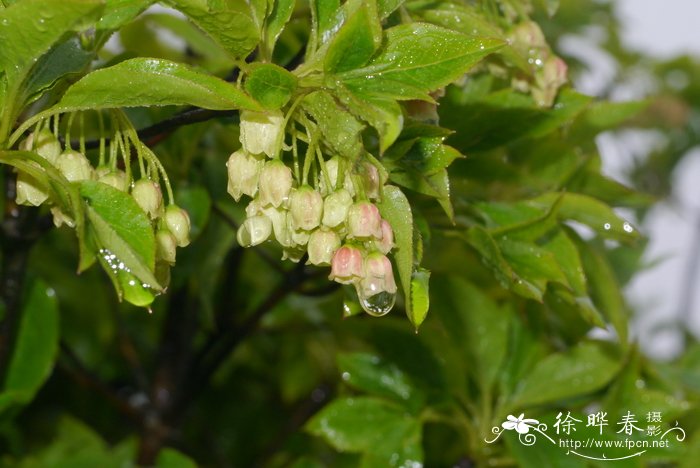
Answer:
(171, 223)
(335, 223)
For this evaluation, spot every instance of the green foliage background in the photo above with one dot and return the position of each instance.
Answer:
(250, 361)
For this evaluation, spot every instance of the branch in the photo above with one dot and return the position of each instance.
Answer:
(82, 375)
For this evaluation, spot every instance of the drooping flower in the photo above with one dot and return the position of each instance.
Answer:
(74, 166)
(364, 221)
(305, 208)
(335, 208)
(261, 132)
(378, 275)
(243, 173)
(166, 246)
(178, 222)
(254, 230)
(148, 196)
(346, 265)
(322, 245)
(275, 183)
(386, 243)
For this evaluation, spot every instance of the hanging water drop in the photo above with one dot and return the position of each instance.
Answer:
(379, 304)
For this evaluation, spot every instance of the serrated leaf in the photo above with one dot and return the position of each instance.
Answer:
(477, 326)
(367, 425)
(356, 40)
(341, 131)
(142, 82)
(119, 12)
(29, 28)
(420, 296)
(435, 185)
(372, 374)
(583, 369)
(394, 207)
(385, 115)
(230, 24)
(36, 346)
(121, 227)
(418, 58)
(279, 16)
(271, 85)
(63, 60)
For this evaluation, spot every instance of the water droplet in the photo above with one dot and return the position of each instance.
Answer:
(346, 375)
(606, 226)
(378, 304)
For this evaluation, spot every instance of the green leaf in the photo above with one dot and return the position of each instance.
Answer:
(119, 12)
(436, 185)
(29, 28)
(324, 17)
(35, 348)
(279, 16)
(394, 207)
(477, 326)
(357, 40)
(589, 211)
(604, 287)
(171, 458)
(418, 58)
(385, 115)
(271, 85)
(121, 227)
(229, 23)
(153, 82)
(604, 114)
(582, 369)
(532, 263)
(369, 425)
(386, 7)
(420, 296)
(341, 131)
(376, 376)
(63, 60)
(503, 116)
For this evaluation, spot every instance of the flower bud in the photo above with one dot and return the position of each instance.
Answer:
(261, 132)
(322, 245)
(47, 145)
(280, 224)
(28, 191)
(364, 221)
(254, 231)
(335, 208)
(378, 276)
(116, 179)
(74, 166)
(333, 168)
(275, 183)
(148, 196)
(371, 180)
(60, 218)
(166, 246)
(305, 207)
(346, 265)
(386, 243)
(178, 222)
(293, 254)
(243, 173)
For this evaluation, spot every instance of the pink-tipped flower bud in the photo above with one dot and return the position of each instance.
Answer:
(243, 173)
(148, 196)
(346, 265)
(254, 231)
(322, 245)
(364, 221)
(114, 178)
(335, 208)
(178, 222)
(28, 191)
(386, 243)
(554, 71)
(378, 276)
(74, 166)
(275, 183)
(261, 132)
(46, 145)
(166, 246)
(305, 207)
